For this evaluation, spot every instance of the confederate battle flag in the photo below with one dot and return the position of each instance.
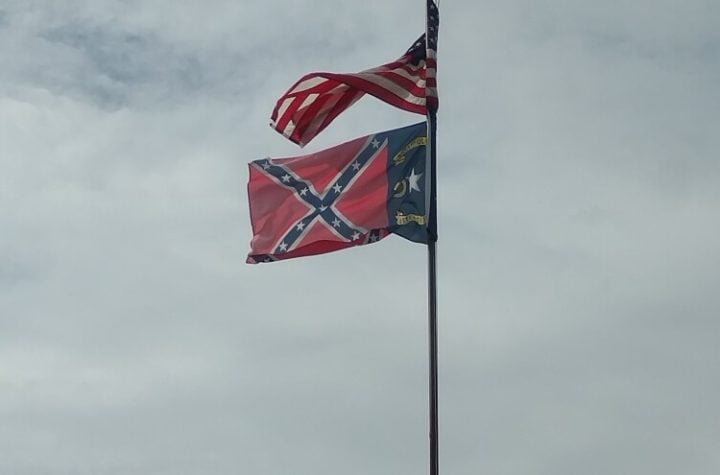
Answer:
(349, 195)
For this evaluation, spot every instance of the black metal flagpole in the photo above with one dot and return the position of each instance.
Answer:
(431, 25)
(432, 299)
(432, 260)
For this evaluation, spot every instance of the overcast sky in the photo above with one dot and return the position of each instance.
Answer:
(579, 252)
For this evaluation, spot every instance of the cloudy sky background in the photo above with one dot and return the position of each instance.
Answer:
(579, 244)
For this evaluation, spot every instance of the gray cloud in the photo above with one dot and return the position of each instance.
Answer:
(578, 255)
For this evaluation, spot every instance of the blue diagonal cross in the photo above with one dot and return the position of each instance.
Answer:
(322, 204)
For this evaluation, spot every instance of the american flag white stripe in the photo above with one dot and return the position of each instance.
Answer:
(395, 88)
(314, 127)
(401, 73)
(307, 84)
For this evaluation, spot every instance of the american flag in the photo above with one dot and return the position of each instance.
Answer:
(408, 83)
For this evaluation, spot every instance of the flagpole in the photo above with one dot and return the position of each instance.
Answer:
(432, 300)
(432, 268)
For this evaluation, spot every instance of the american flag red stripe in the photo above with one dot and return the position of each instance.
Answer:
(408, 83)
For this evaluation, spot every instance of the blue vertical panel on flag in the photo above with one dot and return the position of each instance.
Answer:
(406, 186)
